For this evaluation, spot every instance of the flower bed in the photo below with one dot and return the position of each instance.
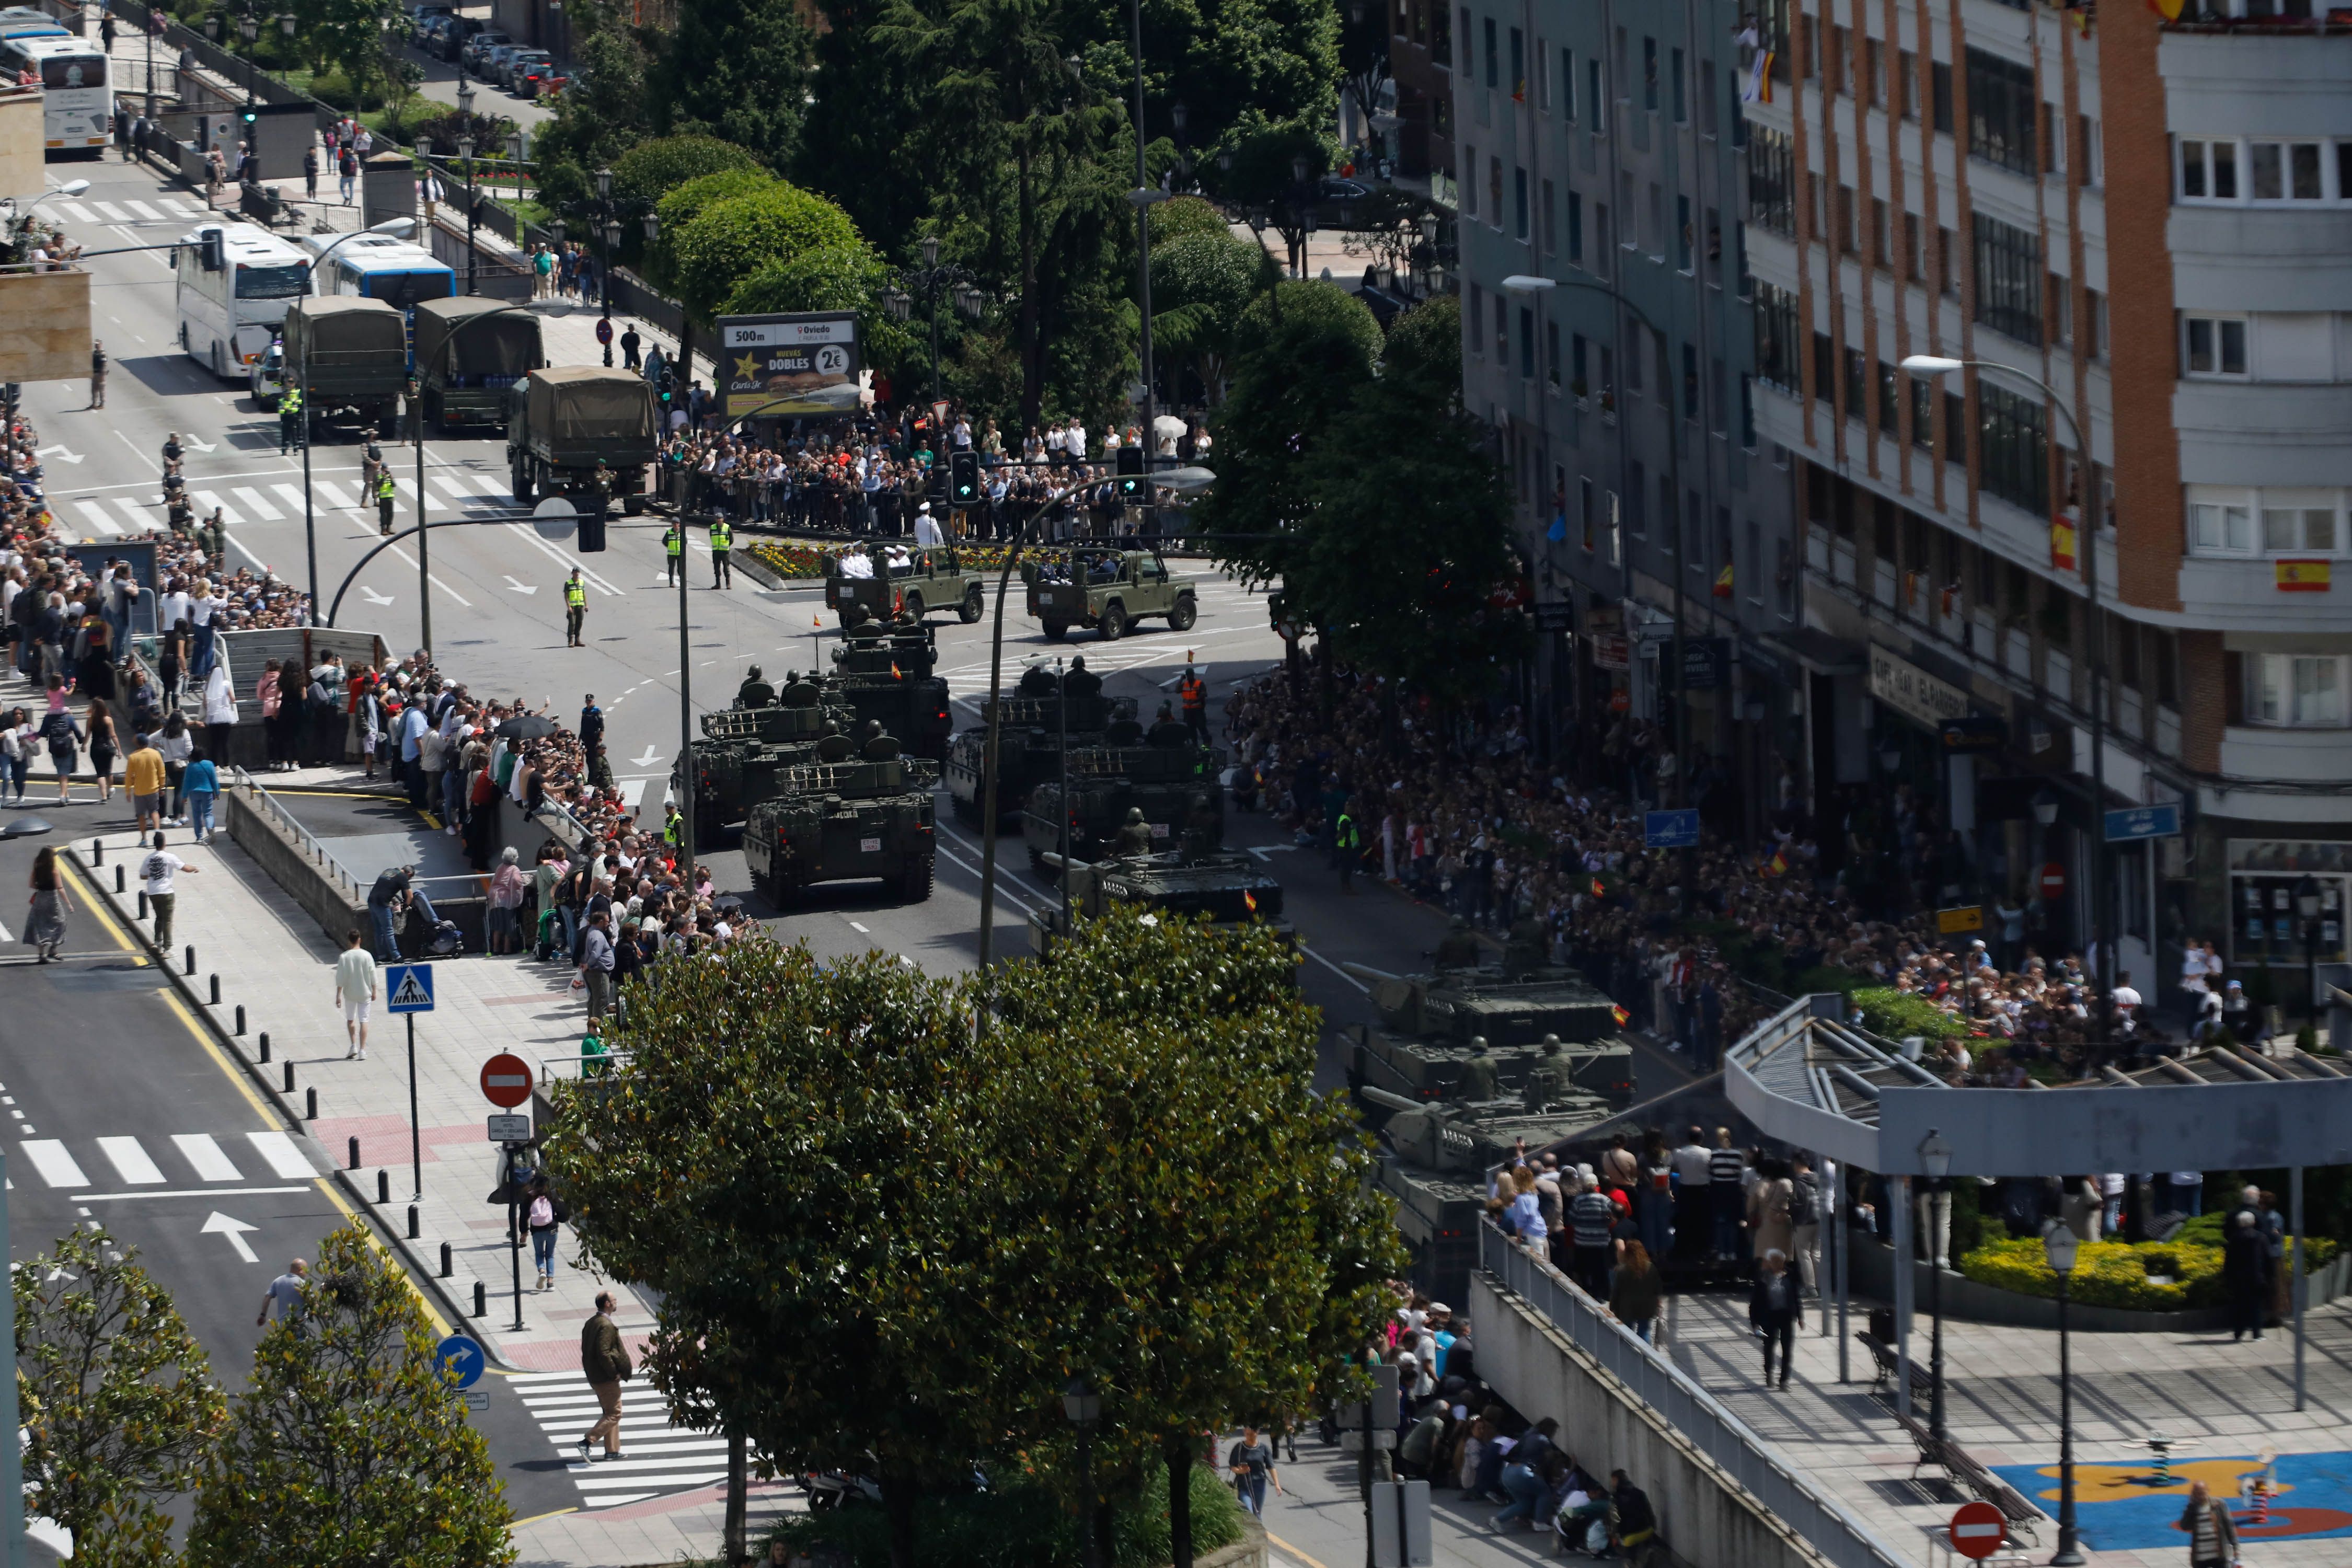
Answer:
(2148, 1276)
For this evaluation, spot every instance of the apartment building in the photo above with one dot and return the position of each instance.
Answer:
(1608, 340)
(2135, 231)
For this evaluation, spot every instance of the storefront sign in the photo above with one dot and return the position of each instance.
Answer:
(2143, 822)
(1969, 917)
(1557, 616)
(1913, 692)
(1704, 662)
(1611, 651)
(1977, 733)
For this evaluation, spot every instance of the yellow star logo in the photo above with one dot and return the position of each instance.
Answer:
(745, 368)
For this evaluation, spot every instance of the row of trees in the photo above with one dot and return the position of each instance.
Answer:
(348, 1448)
(887, 1241)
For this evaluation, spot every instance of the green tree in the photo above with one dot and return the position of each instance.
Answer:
(1181, 216)
(651, 170)
(830, 278)
(115, 1395)
(1192, 1221)
(1202, 281)
(729, 240)
(855, 146)
(736, 69)
(350, 1448)
(683, 204)
(600, 117)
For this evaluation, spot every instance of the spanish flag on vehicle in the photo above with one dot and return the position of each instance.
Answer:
(1619, 1013)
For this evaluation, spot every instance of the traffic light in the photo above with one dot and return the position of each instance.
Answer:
(249, 116)
(665, 388)
(210, 248)
(1134, 489)
(963, 477)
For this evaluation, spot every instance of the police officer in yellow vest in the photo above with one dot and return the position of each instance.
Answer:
(385, 496)
(673, 546)
(723, 538)
(575, 607)
(289, 419)
(674, 828)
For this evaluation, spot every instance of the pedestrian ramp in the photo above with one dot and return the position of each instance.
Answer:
(657, 1459)
(141, 1163)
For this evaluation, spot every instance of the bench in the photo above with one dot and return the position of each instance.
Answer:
(1881, 1354)
(2020, 1517)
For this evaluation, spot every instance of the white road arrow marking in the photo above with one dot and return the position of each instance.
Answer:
(1262, 851)
(648, 760)
(234, 1229)
(194, 445)
(521, 587)
(371, 596)
(59, 450)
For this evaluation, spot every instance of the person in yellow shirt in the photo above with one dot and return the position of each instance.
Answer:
(142, 777)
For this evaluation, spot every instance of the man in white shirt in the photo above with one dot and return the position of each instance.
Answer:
(155, 874)
(354, 989)
(926, 527)
(1074, 442)
(2128, 1000)
(857, 564)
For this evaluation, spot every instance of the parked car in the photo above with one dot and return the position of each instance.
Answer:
(432, 34)
(470, 49)
(483, 60)
(537, 79)
(420, 14)
(450, 40)
(510, 69)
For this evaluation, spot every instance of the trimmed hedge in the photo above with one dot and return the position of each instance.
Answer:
(2116, 1274)
(1893, 1014)
(727, 241)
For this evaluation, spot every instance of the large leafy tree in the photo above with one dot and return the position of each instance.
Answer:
(736, 69)
(729, 240)
(350, 1447)
(1202, 281)
(651, 170)
(600, 116)
(116, 1398)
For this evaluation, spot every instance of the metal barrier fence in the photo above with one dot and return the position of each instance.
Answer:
(301, 834)
(1830, 1528)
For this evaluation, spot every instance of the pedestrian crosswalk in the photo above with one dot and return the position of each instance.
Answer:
(657, 1458)
(228, 1157)
(113, 516)
(162, 209)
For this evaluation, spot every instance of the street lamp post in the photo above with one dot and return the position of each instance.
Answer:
(1181, 482)
(968, 299)
(1532, 284)
(2306, 906)
(609, 233)
(2058, 1244)
(2087, 551)
(399, 228)
(465, 152)
(1936, 1159)
(1144, 196)
(1083, 1405)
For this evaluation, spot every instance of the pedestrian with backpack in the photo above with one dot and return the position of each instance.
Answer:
(544, 1215)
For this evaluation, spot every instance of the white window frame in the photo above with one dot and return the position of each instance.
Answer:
(2273, 682)
(2211, 536)
(2243, 153)
(2216, 325)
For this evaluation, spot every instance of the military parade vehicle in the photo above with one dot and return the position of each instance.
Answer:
(745, 750)
(465, 365)
(1030, 736)
(860, 810)
(576, 430)
(1442, 1034)
(882, 671)
(934, 577)
(1229, 889)
(1163, 782)
(1107, 589)
(352, 355)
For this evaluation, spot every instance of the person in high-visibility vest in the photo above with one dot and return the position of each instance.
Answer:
(674, 828)
(723, 538)
(1195, 693)
(289, 419)
(575, 607)
(673, 546)
(385, 496)
(1346, 847)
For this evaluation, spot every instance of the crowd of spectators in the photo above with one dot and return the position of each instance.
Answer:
(1451, 805)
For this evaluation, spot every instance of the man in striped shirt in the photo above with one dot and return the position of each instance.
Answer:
(1726, 1167)
(1590, 1218)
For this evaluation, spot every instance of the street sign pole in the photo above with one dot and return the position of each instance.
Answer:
(409, 990)
(415, 1127)
(514, 1238)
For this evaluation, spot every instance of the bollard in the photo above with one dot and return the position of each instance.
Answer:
(414, 1224)
(191, 968)
(355, 1155)
(309, 1105)
(383, 1189)
(265, 1046)
(97, 858)
(240, 1019)
(118, 878)
(448, 1261)
(290, 1077)
(215, 989)
(481, 1299)
(142, 903)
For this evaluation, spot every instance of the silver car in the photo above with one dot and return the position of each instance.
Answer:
(266, 376)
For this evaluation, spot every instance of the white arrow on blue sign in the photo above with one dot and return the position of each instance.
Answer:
(1670, 829)
(409, 988)
(461, 1357)
(2138, 821)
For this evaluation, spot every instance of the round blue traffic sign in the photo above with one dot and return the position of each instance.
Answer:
(462, 1357)
(605, 329)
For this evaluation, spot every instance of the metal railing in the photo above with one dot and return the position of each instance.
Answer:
(292, 825)
(1828, 1525)
(573, 1069)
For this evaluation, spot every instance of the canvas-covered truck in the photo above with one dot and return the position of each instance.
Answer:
(351, 354)
(563, 424)
(466, 364)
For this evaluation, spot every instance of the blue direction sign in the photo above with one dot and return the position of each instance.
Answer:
(409, 988)
(461, 1357)
(2143, 822)
(1670, 829)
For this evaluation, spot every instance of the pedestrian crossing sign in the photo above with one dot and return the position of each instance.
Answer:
(409, 986)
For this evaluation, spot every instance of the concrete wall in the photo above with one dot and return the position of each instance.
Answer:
(23, 149)
(322, 896)
(1705, 1518)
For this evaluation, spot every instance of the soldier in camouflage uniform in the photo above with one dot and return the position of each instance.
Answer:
(1134, 834)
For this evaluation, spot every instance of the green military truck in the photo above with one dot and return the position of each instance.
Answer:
(745, 753)
(351, 353)
(1107, 590)
(564, 424)
(1227, 889)
(935, 578)
(1030, 734)
(860, 810)
(1167, 777)
(465, 364)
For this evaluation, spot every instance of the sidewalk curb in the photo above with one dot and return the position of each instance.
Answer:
(363, 1202)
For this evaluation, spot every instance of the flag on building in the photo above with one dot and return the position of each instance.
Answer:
(1723, 581)
(2061, 546)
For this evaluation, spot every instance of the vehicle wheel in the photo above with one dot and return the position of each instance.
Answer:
(914, 603)
(969, 611)
(1114, 622)
(966, 811)
(1186, 611)
(915, 883)
(521, 484)
(1056, 631)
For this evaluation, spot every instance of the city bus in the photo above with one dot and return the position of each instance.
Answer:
(378, 266)
(26, 22)
(228, 317)
(77, 103)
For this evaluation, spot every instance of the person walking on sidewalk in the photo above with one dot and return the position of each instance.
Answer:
(2212, 1534)
(201, 786)
(1776, 1309)
(45, 922)
(1252, 1464)
(544, 1216)
(97, 374)
(311, 172)
(354, 990)
(155, 874)
(604, 1362)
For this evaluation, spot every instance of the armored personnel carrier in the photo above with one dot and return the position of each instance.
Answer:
(860, 810)
(1165, 776)
(1229, 889)
(1029, 737)
(882, 673)
(1439, 1032)
(744, 753)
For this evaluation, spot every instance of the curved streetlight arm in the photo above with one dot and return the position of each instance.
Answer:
(390, 540)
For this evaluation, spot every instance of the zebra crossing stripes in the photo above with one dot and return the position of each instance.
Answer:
(200, 1152)
(255, 504)
(240, 504)
(655, 1457)
(99, 518)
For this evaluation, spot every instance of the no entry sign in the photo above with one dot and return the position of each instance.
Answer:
(506, 1080)
(1977, 1529)
(2054, 880)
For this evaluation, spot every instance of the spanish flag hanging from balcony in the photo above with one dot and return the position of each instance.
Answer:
(2302, 576)
(2168, 9)
(2062, 545)
(1723, 581)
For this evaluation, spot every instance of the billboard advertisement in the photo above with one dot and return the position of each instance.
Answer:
(790, 365)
